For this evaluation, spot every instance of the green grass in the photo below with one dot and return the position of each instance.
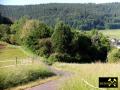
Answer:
(18, 75)
(112, 33)
(89, 73)
(10, 53)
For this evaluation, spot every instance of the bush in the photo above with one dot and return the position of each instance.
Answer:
(45, 47)
(81, 43)
(100, 46)
(52, 59)
(114, 56)
(4, 32)
(61, 38)
(64, 57)
(39, 40)
(78, 58)
(17, 27)
(12, 39)
(60, 57)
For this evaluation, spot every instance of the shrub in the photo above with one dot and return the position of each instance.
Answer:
(114, 56)
(4, 32)
(78, 58)
(39, 41)
(61, 38)
(81, 43)
(27, 28)
(45, 47)
(60, 57)
(17, 27)
(12, 39)
(100, 46)
(52, 58)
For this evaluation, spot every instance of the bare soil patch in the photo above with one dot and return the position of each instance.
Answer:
(2, 46)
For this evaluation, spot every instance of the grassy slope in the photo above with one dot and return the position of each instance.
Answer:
(10, 52)
(89, 73)
(15, 75)
(112, 33)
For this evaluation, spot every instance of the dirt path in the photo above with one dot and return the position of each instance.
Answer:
(53, 85)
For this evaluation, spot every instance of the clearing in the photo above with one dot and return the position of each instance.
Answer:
(114, 33)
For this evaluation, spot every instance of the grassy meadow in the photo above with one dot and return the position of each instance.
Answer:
(19, 74)
(8, 55)
(114, 33)
(86, 75)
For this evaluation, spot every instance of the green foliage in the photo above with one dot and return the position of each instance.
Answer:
(43, 31)
(59, 57)
(14, 76)
(81, 42)
(61, 37)
(28, 27)
(89, 46)
(4, 32)
(52, 59)
(12, 39)
(114, 56)
(86, 46)
(70, 45)
(38, 40)
(45, 47)
(81, 16)
(100, 46)
(81, 45)
(17, 27)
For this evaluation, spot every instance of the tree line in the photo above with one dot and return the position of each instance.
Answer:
(80, 16)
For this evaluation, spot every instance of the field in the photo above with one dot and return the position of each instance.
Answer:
(85, 76)
(9, 54)
(14, 73)
(111, 33)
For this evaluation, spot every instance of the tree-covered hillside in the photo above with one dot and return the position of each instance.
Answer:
(80, 16)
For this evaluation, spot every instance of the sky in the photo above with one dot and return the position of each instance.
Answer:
(27, 2)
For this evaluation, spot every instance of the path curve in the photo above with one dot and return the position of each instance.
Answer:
(53, 85)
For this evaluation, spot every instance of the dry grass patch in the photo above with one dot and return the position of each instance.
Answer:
(89, 73)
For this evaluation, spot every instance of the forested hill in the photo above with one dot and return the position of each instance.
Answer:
(81, 16)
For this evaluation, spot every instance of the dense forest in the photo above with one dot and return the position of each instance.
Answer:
(79, 16)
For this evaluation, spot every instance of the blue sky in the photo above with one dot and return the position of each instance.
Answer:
(26, 2)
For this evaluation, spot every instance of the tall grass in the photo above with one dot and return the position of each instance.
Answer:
(89, 73)
(13, 76)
